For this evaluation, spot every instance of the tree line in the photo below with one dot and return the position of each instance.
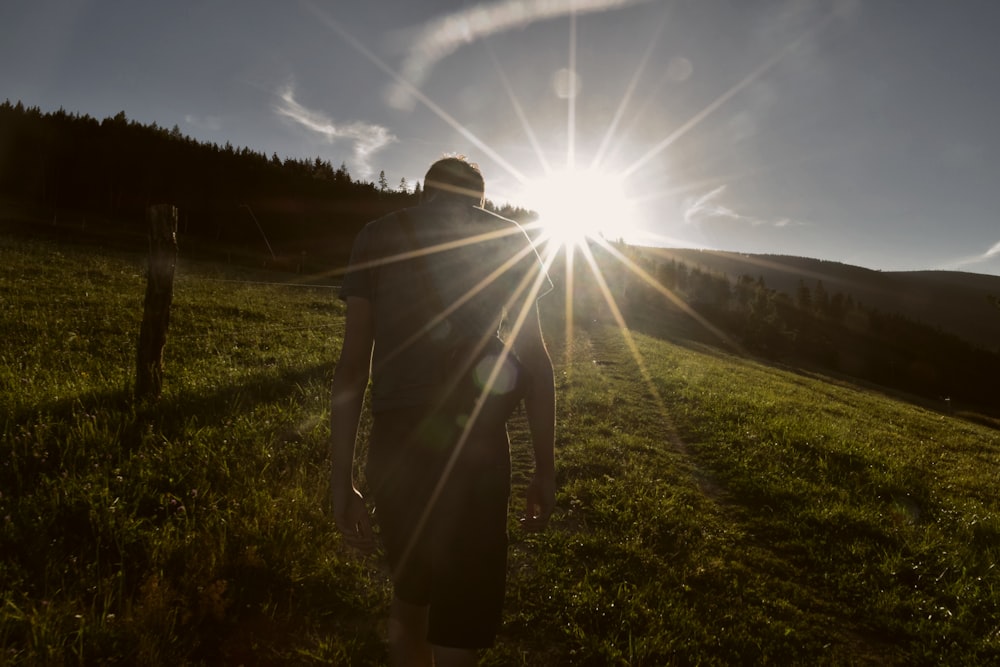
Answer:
(812, 328)
(105, 173)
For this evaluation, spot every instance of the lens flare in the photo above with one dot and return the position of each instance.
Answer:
(575, 205)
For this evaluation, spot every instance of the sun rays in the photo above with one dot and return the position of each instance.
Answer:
(579, 210)
(577, 207)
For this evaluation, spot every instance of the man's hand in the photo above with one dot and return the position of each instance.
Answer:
(347, 397)
(541, 500)
(351, 517)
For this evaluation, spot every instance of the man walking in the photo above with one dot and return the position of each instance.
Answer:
(427, 290)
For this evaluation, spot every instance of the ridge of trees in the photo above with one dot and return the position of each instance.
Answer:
(107, 172)
(829, 332)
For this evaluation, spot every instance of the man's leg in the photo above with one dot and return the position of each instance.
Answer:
(445, 656)
(400, 481)
(470, 559)
(408, 645)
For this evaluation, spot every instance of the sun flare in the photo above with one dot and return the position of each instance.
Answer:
(574, 205)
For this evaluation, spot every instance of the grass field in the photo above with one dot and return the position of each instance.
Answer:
(712, 509)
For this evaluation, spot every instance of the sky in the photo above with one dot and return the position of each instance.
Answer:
(857, 131)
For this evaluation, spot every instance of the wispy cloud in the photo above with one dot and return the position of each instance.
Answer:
(367, 138)
(442, 36)
(696, 208)
(962, 263)
(708, 205)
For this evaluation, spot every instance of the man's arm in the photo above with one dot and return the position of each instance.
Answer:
(540, 406)
(347, 397)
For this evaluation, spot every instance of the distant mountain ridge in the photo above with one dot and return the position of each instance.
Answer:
(964, 304)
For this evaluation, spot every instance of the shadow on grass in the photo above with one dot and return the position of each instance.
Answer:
(251, 593)
(169, 414)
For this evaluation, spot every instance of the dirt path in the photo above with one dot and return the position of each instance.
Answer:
(617, 362)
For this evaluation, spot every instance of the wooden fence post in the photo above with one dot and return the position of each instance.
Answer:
(159, 293)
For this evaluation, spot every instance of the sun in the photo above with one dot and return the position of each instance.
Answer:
(575, 205)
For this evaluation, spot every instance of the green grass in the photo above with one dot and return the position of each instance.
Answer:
(723, 511)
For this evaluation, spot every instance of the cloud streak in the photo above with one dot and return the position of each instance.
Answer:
(960, 264)
(707, 206)
(441, 37)
(366, 138)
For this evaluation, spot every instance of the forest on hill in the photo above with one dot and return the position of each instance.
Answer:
(812, 328)
(76, 170)
(961, 303)
(932, 335)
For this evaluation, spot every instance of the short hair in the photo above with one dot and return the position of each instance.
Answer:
(455, 176)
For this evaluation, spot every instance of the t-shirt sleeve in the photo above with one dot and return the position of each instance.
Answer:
(360, 277)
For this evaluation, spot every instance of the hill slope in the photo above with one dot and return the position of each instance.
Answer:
(956, 302)
(711, 509)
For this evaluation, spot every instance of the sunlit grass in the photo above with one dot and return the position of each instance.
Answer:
(132, 534)
(711, 509)
(811, 522)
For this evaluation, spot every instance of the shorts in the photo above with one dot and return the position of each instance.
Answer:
(442, 519)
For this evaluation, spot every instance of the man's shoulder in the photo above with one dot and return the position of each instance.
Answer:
(503, 230)
(389, 221)
(489, 217)
(378, 232)
(462, 213)
(430, 223)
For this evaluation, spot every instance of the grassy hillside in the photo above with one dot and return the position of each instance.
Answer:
(713, 509)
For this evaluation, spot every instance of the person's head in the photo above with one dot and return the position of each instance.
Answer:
(455, 177)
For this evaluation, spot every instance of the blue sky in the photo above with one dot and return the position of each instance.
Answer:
(857, 131)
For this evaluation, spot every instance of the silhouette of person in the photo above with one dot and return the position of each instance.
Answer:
(422, 283)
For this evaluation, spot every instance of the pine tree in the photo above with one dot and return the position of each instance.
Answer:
(821, 299)
(803, 297)
(342, 176)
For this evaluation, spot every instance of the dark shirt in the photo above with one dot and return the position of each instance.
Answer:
(475, 266)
